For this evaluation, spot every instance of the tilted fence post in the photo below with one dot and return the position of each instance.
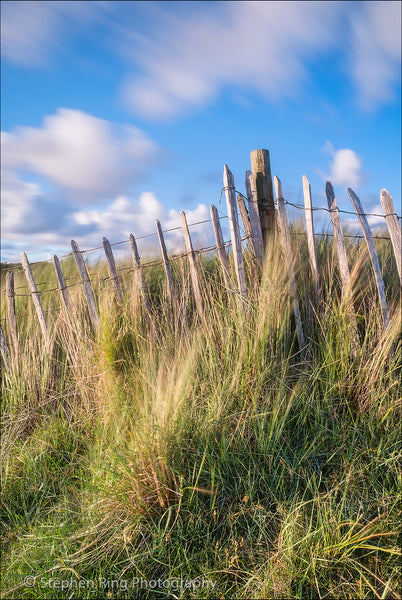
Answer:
(166, 262)
(86, 282)
(228, 182)
(393, 228)
(33, 290)
(193, 267)
(63, 288)
(139, 274)
(254, 217)
(339, 240)
(373, 254)
(11, 315)
(308, 212)
(287, 250)
(220, 245)
(112, 269)
(342, 262)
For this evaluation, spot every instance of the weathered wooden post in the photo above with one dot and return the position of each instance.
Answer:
(228, 183)
(373, 254)
(393, 228)
(342, 262)
(112, 269)
(261, 170)
(220, 245)
(139, 274)
(12, 318)
(308, 212)
(33, 290)
(254, 217)
(63, 288)
(193, 267)
(166, 262)
(287, 250)
(339, 240)
(86, 282)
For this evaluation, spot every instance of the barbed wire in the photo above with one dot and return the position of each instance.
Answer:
(313, 209)
(158, 262)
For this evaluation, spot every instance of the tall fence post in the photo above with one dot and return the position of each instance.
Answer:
(166, 262)
(373, 254)
(220, 245)
(86, 282)
(33, 290)
(228, 183)
(139, 274)
(112, 269)
(254, 217)
(12, 318)
(62, 284)
(193, 268)
(308, 212)
(393, 228)
(287, 250)
(261, 169)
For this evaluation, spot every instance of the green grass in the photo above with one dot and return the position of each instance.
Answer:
(208, 451)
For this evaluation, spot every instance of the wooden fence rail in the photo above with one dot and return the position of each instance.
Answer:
(259, 213)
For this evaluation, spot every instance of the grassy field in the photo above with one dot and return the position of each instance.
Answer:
(180, 457)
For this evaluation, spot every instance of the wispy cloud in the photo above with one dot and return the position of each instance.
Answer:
(375, 52)
(183, 57)
(32, 31)
(258, 46)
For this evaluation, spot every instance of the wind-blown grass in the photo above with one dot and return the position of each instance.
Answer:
(173, 447)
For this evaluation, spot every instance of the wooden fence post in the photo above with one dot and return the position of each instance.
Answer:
(193, 268)
(166, 262)
(4, 349)
(287, 250)
(228, 182)
(308, 212)
(393, 228)
(86, 282)
(112, 269)
(261, 169)
(220, 245)
(342, 261)
(139, 274)
(62, 284)
(373, 254)
(339, 239)
(255, 223)
(33, 290)
(12, 318)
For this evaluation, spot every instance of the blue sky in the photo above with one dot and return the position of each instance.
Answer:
(118, 113)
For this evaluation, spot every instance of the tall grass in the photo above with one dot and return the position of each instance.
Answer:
(174, 447)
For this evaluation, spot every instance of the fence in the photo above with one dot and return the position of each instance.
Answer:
(260, 215)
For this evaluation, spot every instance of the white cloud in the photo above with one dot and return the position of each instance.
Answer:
(81, 153)
(345, 168)
(375, 52)
(124, 216)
